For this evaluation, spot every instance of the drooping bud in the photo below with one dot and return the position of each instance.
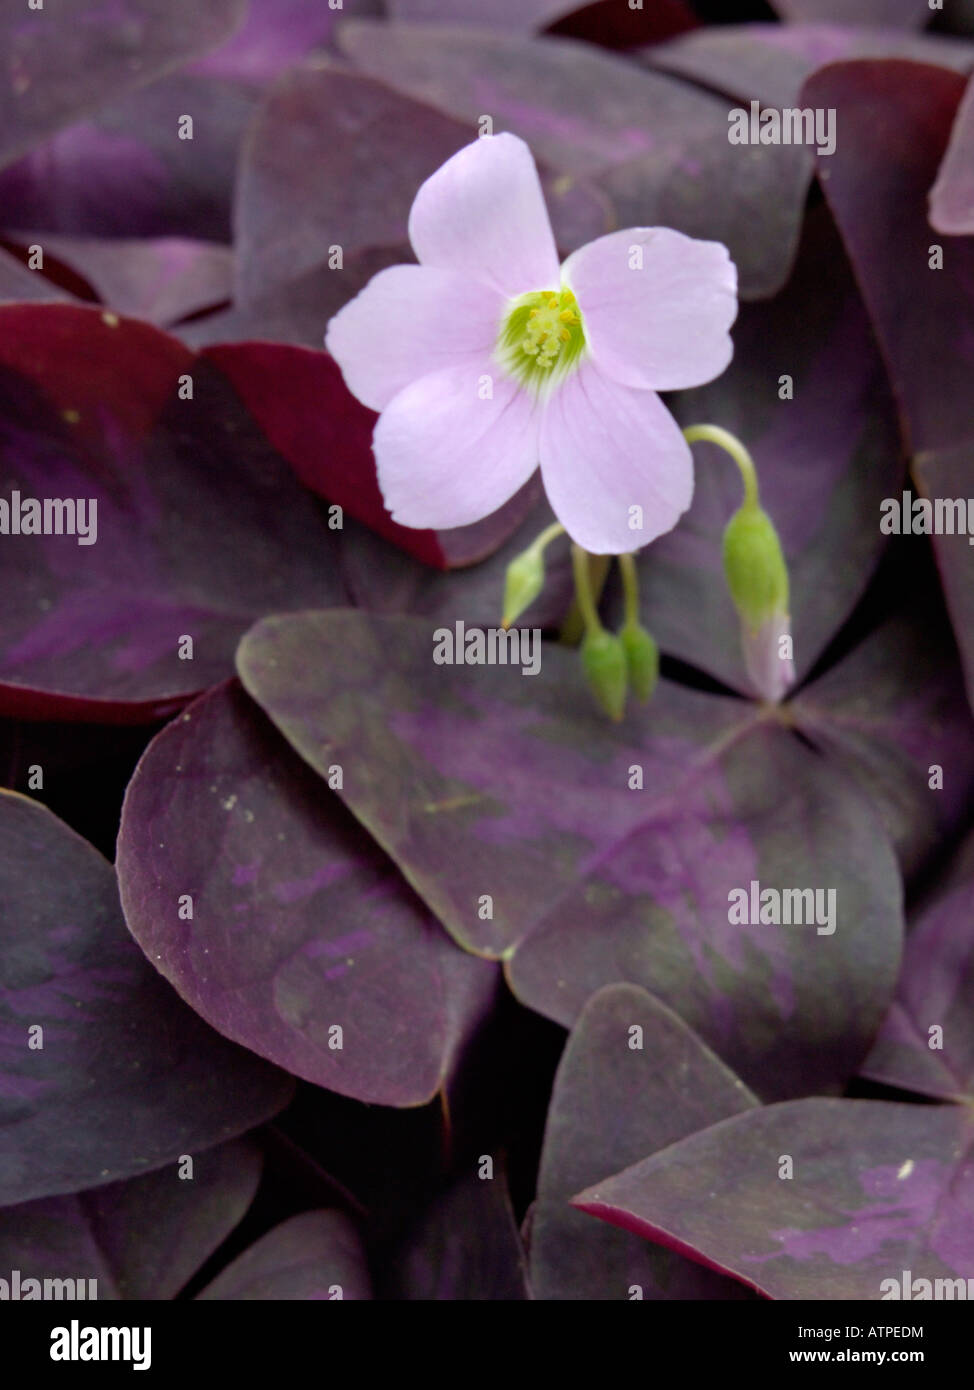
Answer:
(605, 666)
(523, 584)
(525, 575)
(754, 565)
(642, 660)
(757, 578)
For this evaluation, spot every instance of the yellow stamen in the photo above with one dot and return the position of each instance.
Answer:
(544, 332)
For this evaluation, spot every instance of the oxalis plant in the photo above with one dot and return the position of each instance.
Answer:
(477, 378)
(486, 654)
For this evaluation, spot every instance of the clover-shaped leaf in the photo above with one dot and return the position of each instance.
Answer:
(812, 1199)
(303, 944)
(106, 1073)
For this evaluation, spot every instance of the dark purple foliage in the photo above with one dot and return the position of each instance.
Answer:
(416, 981)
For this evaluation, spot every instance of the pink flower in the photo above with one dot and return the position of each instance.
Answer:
(488, 358)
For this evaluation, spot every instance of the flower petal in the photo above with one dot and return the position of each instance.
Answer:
(447, 457)
(407, 322)
(771, 674)
(483, 214)
(606, 448)
(663, 324)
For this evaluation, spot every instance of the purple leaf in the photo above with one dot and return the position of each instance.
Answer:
(161, 281)
(878, 1193)
(899, 14)
(127, 1078)
(587, 110)
(286, 390)
(466, 1248)
(312, 1257)
(506, 802)
(59, 71)
(619, 1095)
(300, 926)
(370, 149)
(277, 34)
(896, 119)
(610, 25)
(952, 196)
(144, 1238)
(20, 285)
(603, 22)
(126, 173)
(510, 16)
(934, 994)
(53, 1239)
(891, 730)
(90, 408)
(825, 459)
(383, 579)
(946, 474)
(157, 1231)
(654, 908)
(770, 62)
(294, 313)
(959, 18)
(656, 146)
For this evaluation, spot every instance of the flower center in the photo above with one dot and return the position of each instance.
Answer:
(542, 337)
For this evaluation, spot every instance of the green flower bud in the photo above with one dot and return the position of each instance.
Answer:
(642, 660)
(524, 582)
(604, 663)
(754, 565)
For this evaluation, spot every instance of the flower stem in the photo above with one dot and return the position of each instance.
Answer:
(583, 589)
(630, 589)
(714, 434)
(547, 536)
(525, 575)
